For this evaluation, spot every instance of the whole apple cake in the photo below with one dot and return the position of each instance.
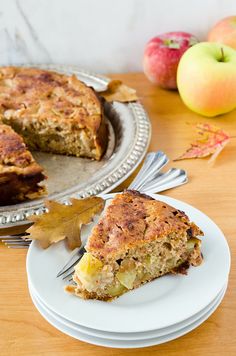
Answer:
(53, 112)
(20, 175)
(136, 240)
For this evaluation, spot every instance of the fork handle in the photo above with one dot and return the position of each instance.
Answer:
(151, 180)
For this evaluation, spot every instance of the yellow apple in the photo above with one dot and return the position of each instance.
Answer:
(206, 78)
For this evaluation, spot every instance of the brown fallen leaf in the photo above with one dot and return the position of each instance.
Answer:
(117, 91)
(64, 221)
(210, 142)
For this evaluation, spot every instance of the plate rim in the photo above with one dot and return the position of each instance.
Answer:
(174, 202)
(14, 215)
(138, 335)
(142, 342)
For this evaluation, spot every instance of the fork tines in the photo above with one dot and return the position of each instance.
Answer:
(68, 267)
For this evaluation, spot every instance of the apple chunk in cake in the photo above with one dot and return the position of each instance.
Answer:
(136, 240)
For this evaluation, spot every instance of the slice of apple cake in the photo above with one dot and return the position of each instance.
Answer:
(20, 175)
(136, 240)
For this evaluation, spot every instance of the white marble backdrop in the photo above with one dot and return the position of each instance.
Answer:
(100, 35)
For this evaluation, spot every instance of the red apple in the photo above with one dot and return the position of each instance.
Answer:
(224, 32)
(162, 55)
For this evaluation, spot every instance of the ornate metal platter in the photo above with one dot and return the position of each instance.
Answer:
(129, 136)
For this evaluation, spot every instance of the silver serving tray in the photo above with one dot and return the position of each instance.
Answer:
(129, 137)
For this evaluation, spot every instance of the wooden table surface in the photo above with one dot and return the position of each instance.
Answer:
(211, 189)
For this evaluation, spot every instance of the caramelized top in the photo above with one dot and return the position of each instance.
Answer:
(42, 94)
(133, 219)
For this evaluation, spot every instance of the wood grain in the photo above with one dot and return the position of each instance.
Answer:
(211, 189)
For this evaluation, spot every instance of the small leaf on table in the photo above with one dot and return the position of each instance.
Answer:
(64, 221)
(210, 142)
(117, 91)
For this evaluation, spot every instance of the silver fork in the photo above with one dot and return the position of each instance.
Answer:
(18, 241)
(150, 179)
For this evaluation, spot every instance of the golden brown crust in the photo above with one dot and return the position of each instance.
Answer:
(19, 173)
(54, 106)
(13, 151)
(133, 219)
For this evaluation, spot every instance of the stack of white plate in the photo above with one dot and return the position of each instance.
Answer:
(157, 312)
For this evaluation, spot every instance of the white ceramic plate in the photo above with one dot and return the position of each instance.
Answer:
(129, 336)
(124, 343)
(161, 303)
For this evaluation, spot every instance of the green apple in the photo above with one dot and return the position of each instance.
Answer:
(206, 78)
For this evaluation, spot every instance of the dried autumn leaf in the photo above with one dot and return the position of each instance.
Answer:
(64, 221)
(210, 142)
(117, 91)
